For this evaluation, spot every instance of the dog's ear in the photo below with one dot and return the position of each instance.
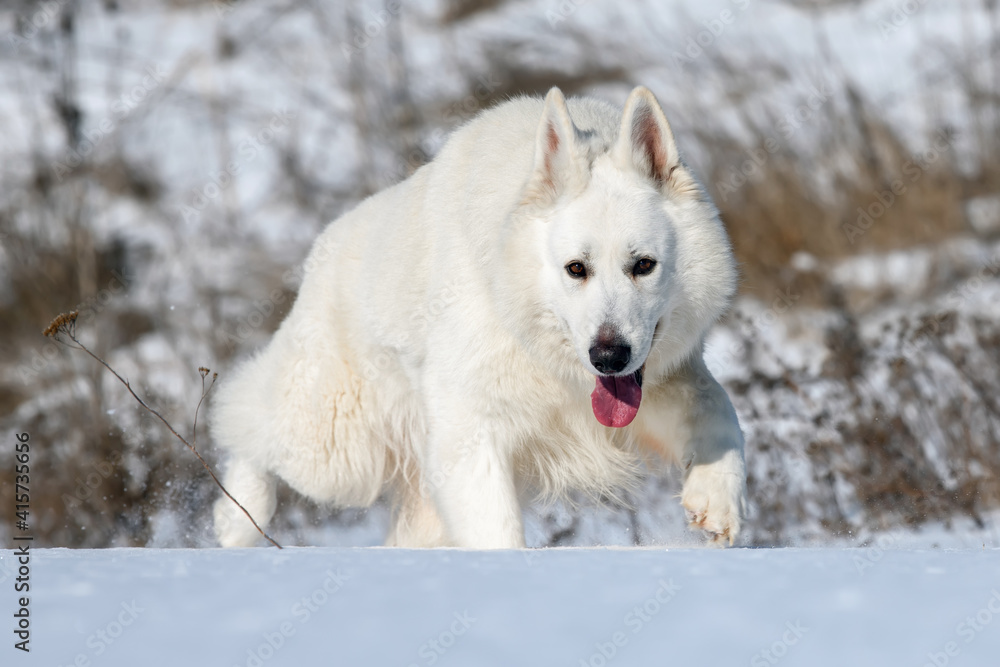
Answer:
(646, 143)
(558, 161)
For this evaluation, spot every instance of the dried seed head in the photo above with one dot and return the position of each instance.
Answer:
(61, 323)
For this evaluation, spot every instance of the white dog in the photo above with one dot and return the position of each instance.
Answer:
(483, 333)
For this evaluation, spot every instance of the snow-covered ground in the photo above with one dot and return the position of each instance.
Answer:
(573, 607)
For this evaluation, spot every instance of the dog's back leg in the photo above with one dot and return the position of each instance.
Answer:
(255, 490)
(415, 522)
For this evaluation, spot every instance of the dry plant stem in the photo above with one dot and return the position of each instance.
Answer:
(204, 395)
(69, 332)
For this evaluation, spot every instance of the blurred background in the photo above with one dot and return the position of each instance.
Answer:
(166, 164)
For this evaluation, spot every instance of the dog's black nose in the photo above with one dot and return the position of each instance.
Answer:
(610, 358)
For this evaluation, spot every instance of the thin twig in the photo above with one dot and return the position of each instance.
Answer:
(204, 394)
(66, 324)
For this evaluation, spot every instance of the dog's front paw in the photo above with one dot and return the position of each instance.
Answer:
(715, 498)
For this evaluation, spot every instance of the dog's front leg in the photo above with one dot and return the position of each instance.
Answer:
(472, 481)
(693, 422)
(715, 480)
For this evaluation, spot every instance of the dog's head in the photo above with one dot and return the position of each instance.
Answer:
(635, 264)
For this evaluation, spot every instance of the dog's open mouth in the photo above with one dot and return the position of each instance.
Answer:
(616, 398)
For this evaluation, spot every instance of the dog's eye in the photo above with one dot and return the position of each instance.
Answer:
(643, 266)
(576, 270)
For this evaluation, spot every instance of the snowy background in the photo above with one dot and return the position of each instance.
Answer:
(165, 165)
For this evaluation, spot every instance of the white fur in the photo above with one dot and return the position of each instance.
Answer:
(438, 349)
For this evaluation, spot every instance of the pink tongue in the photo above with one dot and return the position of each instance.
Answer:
(616, 400)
